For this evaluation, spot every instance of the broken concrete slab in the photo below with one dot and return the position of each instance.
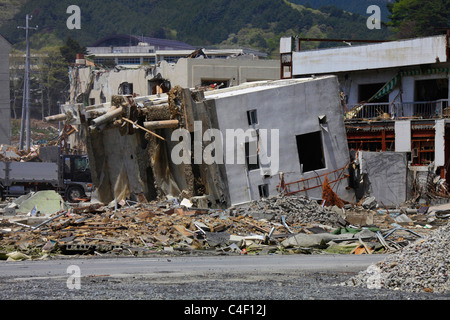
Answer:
(359, 218)
(311, 240)
(47, 202)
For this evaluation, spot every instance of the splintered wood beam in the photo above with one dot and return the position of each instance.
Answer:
(142, 128)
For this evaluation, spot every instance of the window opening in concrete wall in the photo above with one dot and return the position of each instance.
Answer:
(431, 90)
(150, 60)
(158, 86)
(102, 97)
(310, 151)
(251, 155)
(252, 117)
(125, 88)
(91, 101)
(215, 83)
(366, 91)
(133, 61)
(263, 190)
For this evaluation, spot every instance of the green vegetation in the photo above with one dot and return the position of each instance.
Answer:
(251, 23)
(418, 18)
(256, 24)
(355, 6)
(9, 8)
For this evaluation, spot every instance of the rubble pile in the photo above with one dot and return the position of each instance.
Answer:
(139, 229)
(296, 209)
(420, 266)
(282, 225)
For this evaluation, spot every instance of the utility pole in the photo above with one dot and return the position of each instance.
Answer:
(26, 121)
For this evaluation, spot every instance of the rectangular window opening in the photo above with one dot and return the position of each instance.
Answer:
(366, 91)
(310, 151)
(252, 117)
(251, 155)
(263, 190)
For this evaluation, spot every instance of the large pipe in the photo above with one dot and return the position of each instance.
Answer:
(107, 117)
(56, 118)
(165, 124)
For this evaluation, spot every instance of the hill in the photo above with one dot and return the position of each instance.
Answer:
(253, 23)
(355, 6)
(9, 8)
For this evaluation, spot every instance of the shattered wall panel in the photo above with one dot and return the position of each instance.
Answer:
(386, 176)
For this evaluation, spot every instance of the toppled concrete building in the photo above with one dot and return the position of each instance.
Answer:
(395, 97)
(218, 148)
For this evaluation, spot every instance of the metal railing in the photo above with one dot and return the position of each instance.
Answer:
(398, 110)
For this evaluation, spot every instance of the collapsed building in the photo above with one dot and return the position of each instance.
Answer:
(217, 148)
(395, 99)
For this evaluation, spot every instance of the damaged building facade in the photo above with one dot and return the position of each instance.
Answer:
(395, 97)
(93, 83)
(217, 148)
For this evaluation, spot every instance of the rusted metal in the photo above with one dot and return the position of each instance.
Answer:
(340, 177)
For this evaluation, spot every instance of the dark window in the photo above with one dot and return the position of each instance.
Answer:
(367, 91)
(263, 190)
(252, 117)
(310, 151)
(129, 60)
(431, 90)
(126, 88)
(251, 155)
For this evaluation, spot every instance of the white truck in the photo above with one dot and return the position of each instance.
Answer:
(69, 175)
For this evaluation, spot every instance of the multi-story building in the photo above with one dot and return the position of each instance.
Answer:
(127, 50)
(394, 94)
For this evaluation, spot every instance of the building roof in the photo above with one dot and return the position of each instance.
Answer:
(130, 40)
(4, 42)
(392, 54)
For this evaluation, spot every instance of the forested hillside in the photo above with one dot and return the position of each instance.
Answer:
(254, 23)
(356, 6)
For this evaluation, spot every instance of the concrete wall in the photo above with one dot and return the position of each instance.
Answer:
(186, 73)
(349, 84)
(189, 73)
(385, 175)
(5, 109)
(292, 107)
(374, 56)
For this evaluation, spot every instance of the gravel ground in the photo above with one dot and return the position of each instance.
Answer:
(228, 286)
(421, 266)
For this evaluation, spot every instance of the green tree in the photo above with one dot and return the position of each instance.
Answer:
(70, 49)
(418, 18)
(53, 79)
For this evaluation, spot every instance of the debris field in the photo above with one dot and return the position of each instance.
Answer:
(421, 266)
(280, 225)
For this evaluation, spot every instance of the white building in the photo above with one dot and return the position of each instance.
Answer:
(273, 142)
(132, 51)
(394, 94)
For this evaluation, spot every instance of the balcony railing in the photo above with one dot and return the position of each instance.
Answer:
(399, 110)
